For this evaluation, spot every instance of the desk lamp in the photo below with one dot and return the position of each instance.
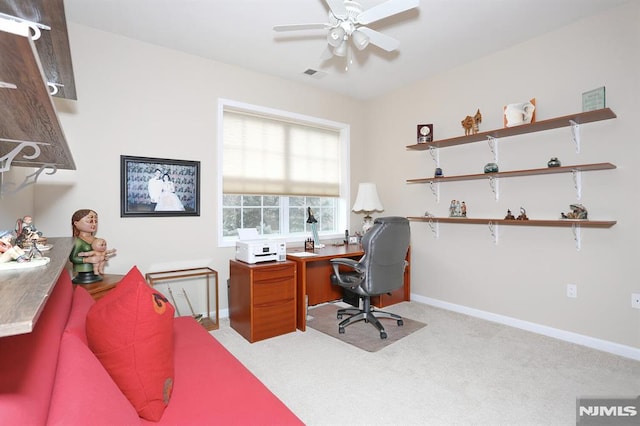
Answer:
(367, 201)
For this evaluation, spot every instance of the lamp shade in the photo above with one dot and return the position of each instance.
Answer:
(336, 36)
(367, 199)
(341, 49)
(360, 39)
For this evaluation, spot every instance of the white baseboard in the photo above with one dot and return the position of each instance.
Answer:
(579, 339)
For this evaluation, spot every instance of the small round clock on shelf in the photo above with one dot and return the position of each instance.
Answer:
(425, 133)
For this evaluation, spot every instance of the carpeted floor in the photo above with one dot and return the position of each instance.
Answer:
(458, 370)
(361, 334)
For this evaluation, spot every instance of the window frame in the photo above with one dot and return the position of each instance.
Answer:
(344, 136)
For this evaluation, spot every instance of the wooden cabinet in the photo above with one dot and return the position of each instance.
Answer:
(262, 299)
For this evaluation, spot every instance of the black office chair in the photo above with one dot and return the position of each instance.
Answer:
(379, 271)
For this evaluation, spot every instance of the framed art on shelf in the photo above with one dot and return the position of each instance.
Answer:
(159, 187)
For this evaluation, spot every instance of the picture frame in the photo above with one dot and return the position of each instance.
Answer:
(159, 187)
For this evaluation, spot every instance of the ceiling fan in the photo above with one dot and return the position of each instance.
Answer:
(347, 20)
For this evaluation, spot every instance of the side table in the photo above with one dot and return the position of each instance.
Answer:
(101, 288)
(179, 277)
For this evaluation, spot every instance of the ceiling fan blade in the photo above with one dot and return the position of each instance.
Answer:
(386, 9)
(296, 27)
(382, 41)
(337, 8)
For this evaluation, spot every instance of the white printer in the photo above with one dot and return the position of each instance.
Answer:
(251, 249)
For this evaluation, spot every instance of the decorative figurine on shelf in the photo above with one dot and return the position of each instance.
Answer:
(86, 260)
(520, 113)
(8, 251)
(26, 233)
(509, 215)
(554, 162)
(578, 211)
(491, 168)
(471, 124)
(314, 228)
(456, 209)
(523, 214)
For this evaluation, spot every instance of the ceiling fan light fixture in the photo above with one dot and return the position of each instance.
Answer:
(336, 36)
(360, 39)
(340, 50)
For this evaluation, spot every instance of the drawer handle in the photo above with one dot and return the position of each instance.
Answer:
(276, 303)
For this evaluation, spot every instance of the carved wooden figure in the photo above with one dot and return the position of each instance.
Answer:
(470, 124)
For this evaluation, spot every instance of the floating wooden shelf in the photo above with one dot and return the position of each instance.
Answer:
(538, 126)
(563, 223)
(514, 173)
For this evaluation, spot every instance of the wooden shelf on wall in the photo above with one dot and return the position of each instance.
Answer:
(514, 173)
(563, 223)
(538, 126)
(53, 45)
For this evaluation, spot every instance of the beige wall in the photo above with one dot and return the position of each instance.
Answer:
(143, 100)
(524, 276)
(139, 99)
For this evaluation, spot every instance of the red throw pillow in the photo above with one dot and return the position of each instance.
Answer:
(130, 330)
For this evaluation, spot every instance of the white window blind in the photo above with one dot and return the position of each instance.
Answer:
(267, 155)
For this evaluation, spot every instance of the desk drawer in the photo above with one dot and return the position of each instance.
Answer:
(274, 320)
(274, 290)
(275, 271)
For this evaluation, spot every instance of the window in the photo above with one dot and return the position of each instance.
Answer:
(274, 165)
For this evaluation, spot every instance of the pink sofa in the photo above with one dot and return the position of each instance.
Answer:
(50, 376)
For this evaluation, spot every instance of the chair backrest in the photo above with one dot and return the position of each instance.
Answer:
(385, 247)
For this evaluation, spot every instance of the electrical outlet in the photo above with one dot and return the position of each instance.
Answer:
(635, 300)
(572, 290)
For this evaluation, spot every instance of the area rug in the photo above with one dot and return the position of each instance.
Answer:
(361, 334)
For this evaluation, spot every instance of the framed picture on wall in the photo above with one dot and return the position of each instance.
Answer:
(159, 187)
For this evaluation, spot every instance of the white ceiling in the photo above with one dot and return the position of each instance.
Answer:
(437, 36)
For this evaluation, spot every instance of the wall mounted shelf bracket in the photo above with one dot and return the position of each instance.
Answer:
(577, 182)
(435, 189)
(575, 134)
(7, 160)
(35, 27)
(435, 228)
(435, 155)
(577, 236)
(493, 230)
(493, 146)
(495, 187)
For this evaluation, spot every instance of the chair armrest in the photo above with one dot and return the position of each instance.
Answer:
(344, 261)
(346, 279)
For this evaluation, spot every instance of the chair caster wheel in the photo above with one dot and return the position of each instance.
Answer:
(339, 316)
(341, 330)
(383, 335)
(400, 323)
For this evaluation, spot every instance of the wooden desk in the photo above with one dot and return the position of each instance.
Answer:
(314, 282)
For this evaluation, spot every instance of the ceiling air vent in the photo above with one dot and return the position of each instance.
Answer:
(315, 73)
